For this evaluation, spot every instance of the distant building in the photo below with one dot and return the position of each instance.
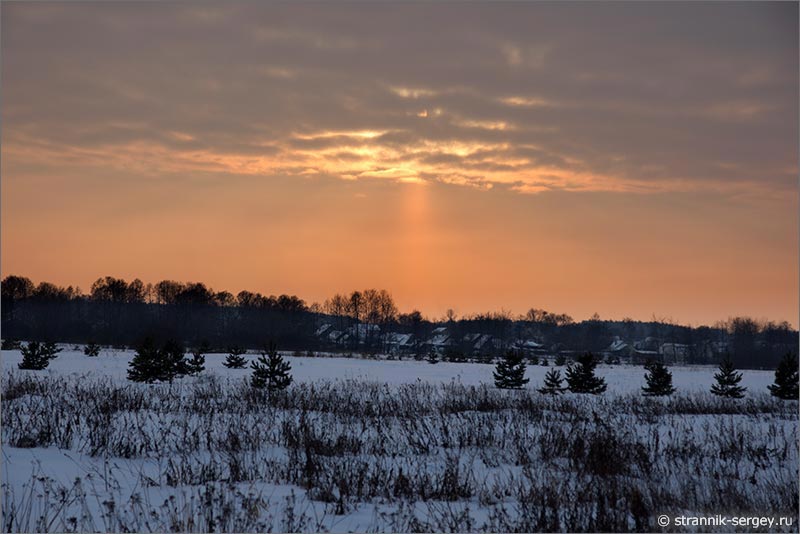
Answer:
(619, 350)
(529, 347)
(648, 344)
(396, 343)
(439, 341)
(479, 343)
(324, 329)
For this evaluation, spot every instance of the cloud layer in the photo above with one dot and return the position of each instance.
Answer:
(528, 96)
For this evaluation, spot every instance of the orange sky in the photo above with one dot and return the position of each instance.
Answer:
(282, 149)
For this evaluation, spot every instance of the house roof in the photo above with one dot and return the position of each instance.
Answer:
(323, 329)
(364, 329)
(395, 338)
(440, 340)
(617, 345)
(338, 335)
(528, 344)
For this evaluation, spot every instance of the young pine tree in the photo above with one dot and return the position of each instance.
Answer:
(234, 359)
(658, 378)
(581, 377)
(560, 360)
(34, 357)
(510, 371)
(153, 364)
(92, 349)
(197, 363)
(173, 357)
(146, 365)
(728, 381)
(786, 379)
(553, 383)
(271, 371)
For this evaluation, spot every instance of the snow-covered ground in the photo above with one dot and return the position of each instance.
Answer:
(381, 445)
(620, 378)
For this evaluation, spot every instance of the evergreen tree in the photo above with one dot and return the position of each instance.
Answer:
(146, 364)
(581, 377)
(728, 381)
(234, 359)
(560, 360)
(271, 371)
(34, 357)
(197, 363)
(543, 362)
(92, 349)
(173, 358)
(152, 364)
(510, 371)
(786, 379)
(658, 378)
(553, 383)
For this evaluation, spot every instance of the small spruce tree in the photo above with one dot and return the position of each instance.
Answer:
(197, 363)
(553, 383)
(786, 379)
(92, 349)
(146, 365)
(234, 359)
(173, 357)
(581, 377)
(153, 364)
(728, 381)
(34, 357)
(271, 371)
(658, 378)
(560, 360)
(510, 371)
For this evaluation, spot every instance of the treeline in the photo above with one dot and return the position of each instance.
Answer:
(117, 312)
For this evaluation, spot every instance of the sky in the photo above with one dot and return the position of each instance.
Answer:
(626, 159)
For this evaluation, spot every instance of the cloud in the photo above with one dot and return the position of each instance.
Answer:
(535, 97)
